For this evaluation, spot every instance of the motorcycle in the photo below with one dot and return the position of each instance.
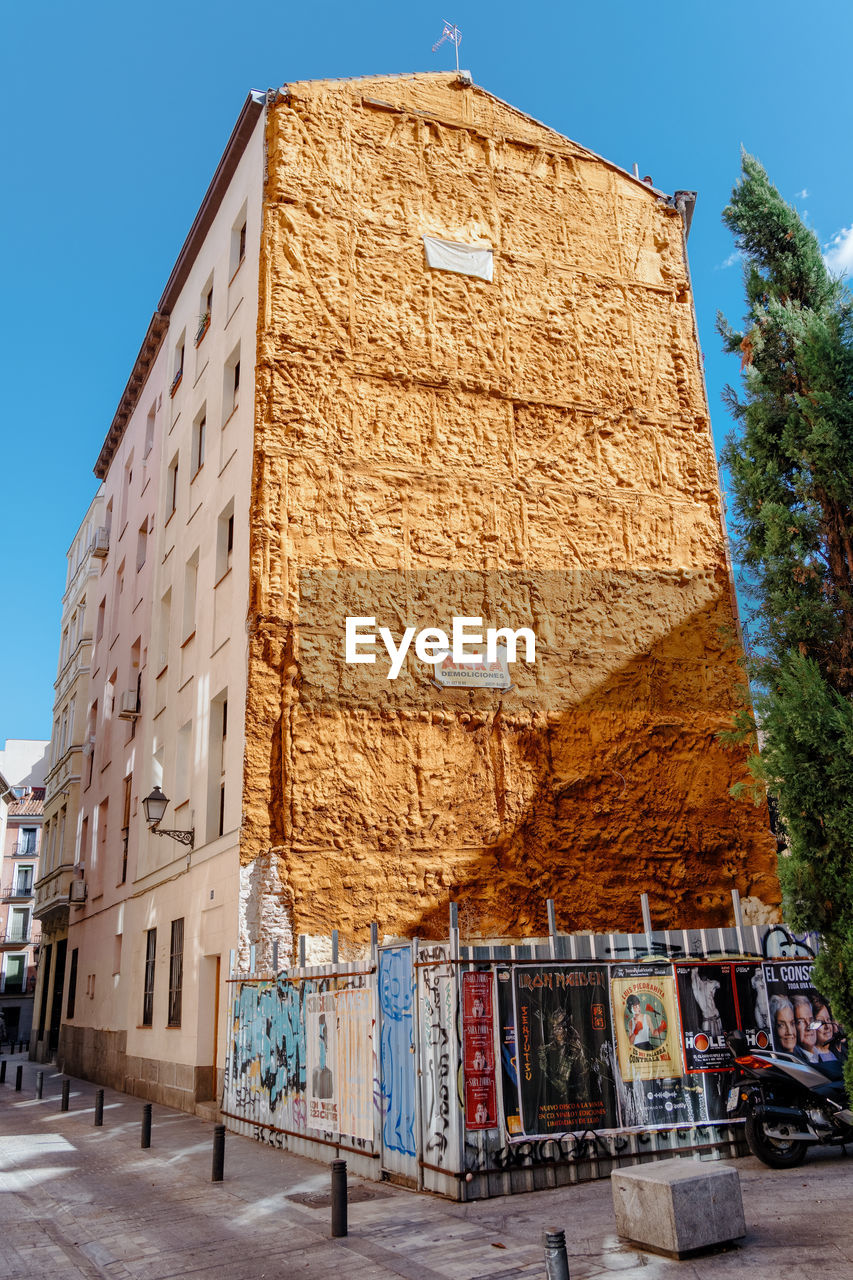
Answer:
(788, 1104)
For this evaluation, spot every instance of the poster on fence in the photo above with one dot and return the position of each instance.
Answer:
(652, 1092)
(478, 1051)
(564, 1050)
(439, 1102)
(321, 1043)
(794, 1010)
(708, 1007)
(354, 1061)
(508, 1056)
(753, 1009)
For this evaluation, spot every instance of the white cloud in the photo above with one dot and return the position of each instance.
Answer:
(730, 261)
(838, 253)
(802, 195)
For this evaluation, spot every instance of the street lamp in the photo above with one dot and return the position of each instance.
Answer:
(155, 806)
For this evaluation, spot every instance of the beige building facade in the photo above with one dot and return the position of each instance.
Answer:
(421, 358)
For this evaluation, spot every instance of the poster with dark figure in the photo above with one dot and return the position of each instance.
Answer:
(564, 1053)
(708, 1009)
(753, 1005)
(508, 1053)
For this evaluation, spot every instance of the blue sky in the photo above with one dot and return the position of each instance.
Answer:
(114, 117)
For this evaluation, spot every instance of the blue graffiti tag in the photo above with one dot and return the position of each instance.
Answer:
(397, 1061)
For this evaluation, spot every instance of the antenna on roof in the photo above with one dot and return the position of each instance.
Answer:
(450, 32)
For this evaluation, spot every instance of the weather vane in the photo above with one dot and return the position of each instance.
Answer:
(450, 32)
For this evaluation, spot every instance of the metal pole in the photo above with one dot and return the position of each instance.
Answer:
(302, 951)
(99, 1108)
(146, 1126)
(275, 956)
(66, 1093)
(556, 1258)
(552, 926)
(39, 1083)
(218, 1171)
(647, 916)
(339, 1198)
(334, 946)
(737, 910)
(2, 1070)
(19, 1077)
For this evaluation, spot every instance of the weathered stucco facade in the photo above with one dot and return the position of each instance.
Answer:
(535, 450)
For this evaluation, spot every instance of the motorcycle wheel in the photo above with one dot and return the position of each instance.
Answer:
(778, 1153)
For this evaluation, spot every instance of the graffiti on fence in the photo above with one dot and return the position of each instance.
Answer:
(396, 1050)
(438, 1056)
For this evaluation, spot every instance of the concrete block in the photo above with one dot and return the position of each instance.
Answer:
(678, 1206)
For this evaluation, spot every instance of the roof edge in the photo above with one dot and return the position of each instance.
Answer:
(151, 344)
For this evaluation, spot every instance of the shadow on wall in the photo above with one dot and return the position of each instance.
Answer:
(598, 777)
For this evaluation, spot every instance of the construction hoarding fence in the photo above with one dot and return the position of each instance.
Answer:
(480, 1070)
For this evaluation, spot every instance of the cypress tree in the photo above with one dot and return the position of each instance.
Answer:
(790, 458)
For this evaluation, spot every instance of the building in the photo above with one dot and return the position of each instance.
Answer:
(71, 760)
(22, 771)
(420, 358)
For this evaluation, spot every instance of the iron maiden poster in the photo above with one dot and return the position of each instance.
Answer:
(321, 1045)
(564, 1052)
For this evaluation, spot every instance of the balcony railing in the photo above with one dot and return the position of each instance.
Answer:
(17, 889)
(17, 937)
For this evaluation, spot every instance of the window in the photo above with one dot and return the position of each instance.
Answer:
(216, 752)
(224, 540)
(205, 311)
(27, 841)
(125, 491)
(102, 612)
(190, 588)
(141, 544)
(23, 881)
(231, 384)
(238, 242)
(179, 365)
(183, 747)
(18, 928)
(163, 631)
(72, 984)
(149, 429)
(148, 980)
(125, 826)
(172, 487)
(15, 974)
(199, 427)
(176, 972)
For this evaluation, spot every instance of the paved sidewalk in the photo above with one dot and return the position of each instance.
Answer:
(85, 1202)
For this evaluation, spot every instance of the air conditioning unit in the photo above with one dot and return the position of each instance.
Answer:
(77, 891)
(129, 705)
(101, 542)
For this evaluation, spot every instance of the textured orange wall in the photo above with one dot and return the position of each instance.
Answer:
(535, 450)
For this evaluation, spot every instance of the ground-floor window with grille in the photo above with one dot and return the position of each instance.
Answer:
(176, 972)
(148, 985)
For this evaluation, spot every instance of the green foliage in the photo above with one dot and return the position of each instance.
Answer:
(791, 463)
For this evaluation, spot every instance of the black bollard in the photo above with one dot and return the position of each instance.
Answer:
(146, 1125)
(218, 1172)
(66, 1094)
(556, 1258)
(99, 1107)
(2, 1070)
(339, 1198)
(19, 1077)
(39, 1083)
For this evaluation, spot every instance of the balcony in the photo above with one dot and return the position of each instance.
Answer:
(17, 889)
(52, 892)
(17, 937)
